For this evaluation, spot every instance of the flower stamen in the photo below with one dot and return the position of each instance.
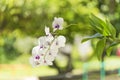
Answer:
(57, 26)
(37, 57)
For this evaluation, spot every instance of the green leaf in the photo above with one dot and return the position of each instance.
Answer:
(111, 29)
(97, 29)
(97, 35)
(110, 48)
(100, 48)
(102, 27)
(96, 23)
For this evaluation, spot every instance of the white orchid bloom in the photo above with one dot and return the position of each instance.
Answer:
(37, 56)
(42, 42)
(40, 62)
(61, 41)
(51, 55)
(49, 36)
(35, 50)
(46, 56)
(47, 49)
(57, 24)
(47, 63)
(33, 63)
(47, 30)
(36, 60)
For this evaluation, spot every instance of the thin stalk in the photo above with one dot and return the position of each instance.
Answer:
(50, 46)
(85, 69)
(119, 71)
(102, 71)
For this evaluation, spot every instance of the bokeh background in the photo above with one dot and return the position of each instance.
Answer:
(23, 21)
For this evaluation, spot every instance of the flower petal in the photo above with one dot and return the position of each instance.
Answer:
(47, 30)
(49, 38)
(61, 41)
(42, 42)
(35, 50)
(32, 62)
(57, 23)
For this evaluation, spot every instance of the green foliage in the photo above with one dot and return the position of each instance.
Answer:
(97, 24)
(102, 27)
(111, 46)
(97, 35)
(30, 16)
(110, 29)
(107, 35)
(100, 48)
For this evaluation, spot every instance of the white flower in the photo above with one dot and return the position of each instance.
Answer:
(32, 62)
(38, 50)
(61, 41)
(47, 49)
(40, 62)
(47, 30)
(35, 50)
(47, 63)
(37, 58)
(49, 36)
(51, 55)
(45, 54)
(42, 42)
(35, 63)
(57, 24)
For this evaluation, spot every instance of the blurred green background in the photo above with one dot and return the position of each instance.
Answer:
(23, 21)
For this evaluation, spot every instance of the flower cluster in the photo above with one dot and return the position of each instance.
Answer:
(46, 50)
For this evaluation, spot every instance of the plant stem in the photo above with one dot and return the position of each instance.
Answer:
(102, 71)
(119, 71)
(85, 75)
(50, 46)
